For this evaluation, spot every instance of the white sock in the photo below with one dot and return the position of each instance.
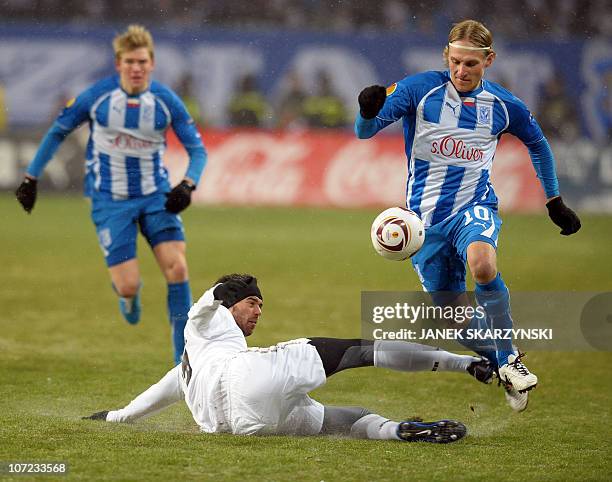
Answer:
(375, 427)
(413, 357)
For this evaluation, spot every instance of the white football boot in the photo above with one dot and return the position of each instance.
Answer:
(518, 401)
(517, 374)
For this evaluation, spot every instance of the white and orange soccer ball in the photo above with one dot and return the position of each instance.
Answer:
(397, 233)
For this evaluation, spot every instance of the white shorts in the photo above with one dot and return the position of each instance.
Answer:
(267, 390)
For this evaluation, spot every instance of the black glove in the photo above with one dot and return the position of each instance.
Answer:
(371, 99)
(229, 292)
(26, 194)
(563, 216)
(180, 197)
(97, 416)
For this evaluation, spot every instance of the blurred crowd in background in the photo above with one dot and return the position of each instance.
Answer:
(295, 109)
(324, 108)
(299, 108)
(552, 18)
(321, 106)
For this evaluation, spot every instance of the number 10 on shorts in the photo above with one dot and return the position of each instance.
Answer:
(481, 216)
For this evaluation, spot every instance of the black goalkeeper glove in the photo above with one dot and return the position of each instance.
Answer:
(371, 99)
(563, 216)
(180, 197)
(26, 194)
(101, 416)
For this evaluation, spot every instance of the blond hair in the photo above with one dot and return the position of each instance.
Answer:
(135, 37)
(472, 31)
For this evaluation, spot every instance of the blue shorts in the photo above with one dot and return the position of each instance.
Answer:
(440, 263)
(117, 224)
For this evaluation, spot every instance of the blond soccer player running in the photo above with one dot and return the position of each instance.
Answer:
(129, 114)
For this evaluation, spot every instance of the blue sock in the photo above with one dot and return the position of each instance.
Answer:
(179, 302)
(495, 299)
(481, 347)
(484, 348)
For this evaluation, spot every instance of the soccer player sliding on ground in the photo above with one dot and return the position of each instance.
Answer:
(231, 388)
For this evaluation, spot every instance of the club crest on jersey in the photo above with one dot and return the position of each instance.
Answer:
(147, 112)
(484, 114)
(391, 89)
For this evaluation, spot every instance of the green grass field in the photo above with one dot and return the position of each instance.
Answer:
(65, 352)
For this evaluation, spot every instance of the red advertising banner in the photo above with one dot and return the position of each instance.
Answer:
(333, 169)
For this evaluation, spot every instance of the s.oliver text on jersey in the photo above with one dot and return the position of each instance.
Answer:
(457, 149)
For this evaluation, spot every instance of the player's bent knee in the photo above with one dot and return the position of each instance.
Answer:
(483, 272)
(483, 268)
(179, 271)
(176, 272)
(127, 288)
(482, 260)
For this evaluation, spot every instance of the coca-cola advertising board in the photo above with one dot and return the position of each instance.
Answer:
(332, 169)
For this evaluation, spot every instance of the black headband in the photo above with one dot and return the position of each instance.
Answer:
(235, 290)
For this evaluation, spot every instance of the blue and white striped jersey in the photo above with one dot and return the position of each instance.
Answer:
(451, 139)
(127, 138)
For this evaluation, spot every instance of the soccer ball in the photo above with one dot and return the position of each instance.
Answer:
(397, 233)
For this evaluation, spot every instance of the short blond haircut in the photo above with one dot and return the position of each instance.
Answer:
(135, 37)
(472, 31)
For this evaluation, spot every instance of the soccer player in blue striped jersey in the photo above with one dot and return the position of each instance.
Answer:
(452, 122)
(128, 115)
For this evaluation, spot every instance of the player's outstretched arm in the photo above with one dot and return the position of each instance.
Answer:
(156, 398)
(544, 164)
(72, 116)
(27, 190)
(186, 131)
(524, 126)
